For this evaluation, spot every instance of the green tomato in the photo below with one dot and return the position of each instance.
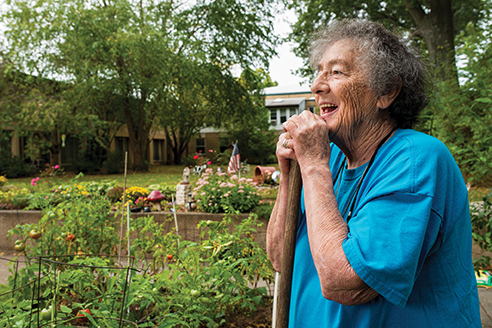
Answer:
(19, 247)
(195, 293)
(203, 300)
(46, 313)
(18, 241)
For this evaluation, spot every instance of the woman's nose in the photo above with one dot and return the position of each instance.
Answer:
(320, 85)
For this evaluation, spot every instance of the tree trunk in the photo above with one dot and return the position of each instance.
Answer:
(135, 135)
(437, 29)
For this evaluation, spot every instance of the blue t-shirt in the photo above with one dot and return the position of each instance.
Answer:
(409, 239)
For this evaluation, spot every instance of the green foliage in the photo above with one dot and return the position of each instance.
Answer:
(426, 23)
(14, 198)
(217, 193)
(13, 166)
(481, 219)
(173, 283)
(462, 118)
(162, 65)
(115, 163)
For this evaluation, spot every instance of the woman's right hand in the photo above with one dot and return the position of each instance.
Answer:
(285, 153)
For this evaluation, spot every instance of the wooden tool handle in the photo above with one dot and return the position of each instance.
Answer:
(294, 198)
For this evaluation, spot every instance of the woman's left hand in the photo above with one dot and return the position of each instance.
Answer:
(310, 139)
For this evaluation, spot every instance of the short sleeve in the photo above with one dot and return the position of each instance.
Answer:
(389, 239)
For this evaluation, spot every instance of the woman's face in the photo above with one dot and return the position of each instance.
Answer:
(346, 102)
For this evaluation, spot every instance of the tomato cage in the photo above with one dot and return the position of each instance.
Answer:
(60, 293)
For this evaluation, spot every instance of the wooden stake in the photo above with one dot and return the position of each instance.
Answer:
(294, 198)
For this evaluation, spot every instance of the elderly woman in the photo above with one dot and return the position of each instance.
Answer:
(384, 235)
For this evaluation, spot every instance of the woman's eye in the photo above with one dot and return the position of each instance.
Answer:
(335, 72)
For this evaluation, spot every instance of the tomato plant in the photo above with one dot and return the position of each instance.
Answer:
(179, 283)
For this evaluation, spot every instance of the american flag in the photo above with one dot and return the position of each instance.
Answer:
(235, 162)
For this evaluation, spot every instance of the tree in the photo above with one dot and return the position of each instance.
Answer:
(165, 61)
(463, 120)
(436, 22)
(257, 141)
(35, 109)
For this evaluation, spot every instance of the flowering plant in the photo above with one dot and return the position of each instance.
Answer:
(217, 193)
(142, 202)
(133, 193)
(3, 180)
(51, 171)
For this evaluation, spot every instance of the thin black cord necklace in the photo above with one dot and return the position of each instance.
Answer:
(354, 195)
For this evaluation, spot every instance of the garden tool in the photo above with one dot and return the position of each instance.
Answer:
(294, 198)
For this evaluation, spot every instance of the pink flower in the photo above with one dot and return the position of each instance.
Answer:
(57, 167)
(240, 191)
(33, 182)
(203, 194)
(195, 157)
(47, 197)
(37, 179)
(210, 151)
(209, 162)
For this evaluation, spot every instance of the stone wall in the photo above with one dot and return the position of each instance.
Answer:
(187, 224)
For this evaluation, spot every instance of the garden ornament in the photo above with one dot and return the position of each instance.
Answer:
(155, 198)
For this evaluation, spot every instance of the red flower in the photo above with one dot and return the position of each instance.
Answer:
(195, 157)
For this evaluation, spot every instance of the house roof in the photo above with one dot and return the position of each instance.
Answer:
(284, 102)
(287, 90)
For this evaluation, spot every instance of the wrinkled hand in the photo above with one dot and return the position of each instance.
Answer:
(308, 142)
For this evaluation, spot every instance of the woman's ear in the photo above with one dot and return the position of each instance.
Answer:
(386, 100)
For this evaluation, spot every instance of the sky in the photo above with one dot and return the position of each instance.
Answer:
(281, 67)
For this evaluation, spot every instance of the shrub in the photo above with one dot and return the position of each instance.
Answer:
(14, 167)
(115, 194)
(217, 193)
(115, 164)
(481, 220)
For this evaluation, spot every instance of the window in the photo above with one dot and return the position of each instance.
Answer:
(273, 116)
(122, 144)
(283, 115)
(158, 147)
(311, 109)
(70, 152)
(200, 145)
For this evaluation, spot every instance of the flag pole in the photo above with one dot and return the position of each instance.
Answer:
(239, 172)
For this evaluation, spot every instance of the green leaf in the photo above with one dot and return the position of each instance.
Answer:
(484, 100)
(65, 309)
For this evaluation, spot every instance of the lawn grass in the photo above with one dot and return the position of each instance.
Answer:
(170, 175)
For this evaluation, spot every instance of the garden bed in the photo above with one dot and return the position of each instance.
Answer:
(187, 223)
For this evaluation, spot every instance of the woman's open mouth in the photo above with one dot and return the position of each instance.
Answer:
(327, 109)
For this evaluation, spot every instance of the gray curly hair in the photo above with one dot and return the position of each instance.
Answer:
(387, 61)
